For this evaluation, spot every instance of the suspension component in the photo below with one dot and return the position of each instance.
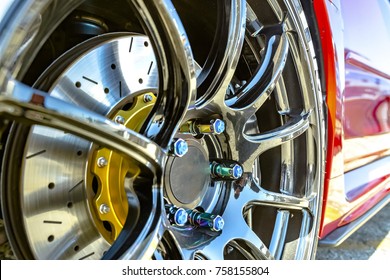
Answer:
(205, 220)
(230, 171)
(196, 127)
(176, 216)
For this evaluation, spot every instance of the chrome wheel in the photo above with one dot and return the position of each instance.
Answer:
(155, 141)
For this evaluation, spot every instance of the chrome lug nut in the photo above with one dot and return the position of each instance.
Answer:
(179, 147)
(196, 127)
(102, 161)
(176, 216)
(226, 171)
(205, 220)
(120, 119)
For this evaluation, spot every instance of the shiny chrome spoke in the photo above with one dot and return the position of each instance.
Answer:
(30, 106)
(257, 90)
(261, 196)
(267, 198)
(281, 97)
(250, 146)
(306, 234)
(293, 128)
(177, 86)
(217, 73)
(238, 234)
(279, 233)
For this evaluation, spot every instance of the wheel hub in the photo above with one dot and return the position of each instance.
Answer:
(189, 176)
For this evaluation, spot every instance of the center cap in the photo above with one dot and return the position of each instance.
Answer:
(189, 176)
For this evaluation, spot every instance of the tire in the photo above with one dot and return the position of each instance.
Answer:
(168, 130)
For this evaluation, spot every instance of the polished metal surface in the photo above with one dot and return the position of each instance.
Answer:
(54, 171)
(240, 209)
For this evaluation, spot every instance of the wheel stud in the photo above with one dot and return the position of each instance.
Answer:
(102, 161)
(179, 147)
(231, 171)
(176, 216)
(196, 127)
(205, 220)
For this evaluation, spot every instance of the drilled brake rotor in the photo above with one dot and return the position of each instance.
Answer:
(78, 198)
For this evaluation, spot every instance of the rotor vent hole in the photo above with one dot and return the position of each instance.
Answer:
(146, 44)
(140, 81)
(76, 248)
(69, 205)
(50, 238)
(113, 66)
(79, 153)
(51, 186)
(78, 84)
(106, 90)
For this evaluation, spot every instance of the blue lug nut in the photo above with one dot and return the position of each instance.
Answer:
(180, 147)
(176, 216)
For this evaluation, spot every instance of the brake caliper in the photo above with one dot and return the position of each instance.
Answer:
(109, 171)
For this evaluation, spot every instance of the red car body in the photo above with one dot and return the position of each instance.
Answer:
(355, 38)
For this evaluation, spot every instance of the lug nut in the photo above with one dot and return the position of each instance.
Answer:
(102, 161)
(179, 147)
(218, 126)
(196, 127)
(222, 171)
(120, 119)
(176, 216)
(205, 220)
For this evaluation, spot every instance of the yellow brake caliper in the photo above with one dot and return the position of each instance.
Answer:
(109, 202)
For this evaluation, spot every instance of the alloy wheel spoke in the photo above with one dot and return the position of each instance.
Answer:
(257, 90)
(279, 233)
(293, 128)
(257, 143)
(176, 69)
(306, 233)
(267, 198)
(241, 236)
(277, 200)
(22, 103)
